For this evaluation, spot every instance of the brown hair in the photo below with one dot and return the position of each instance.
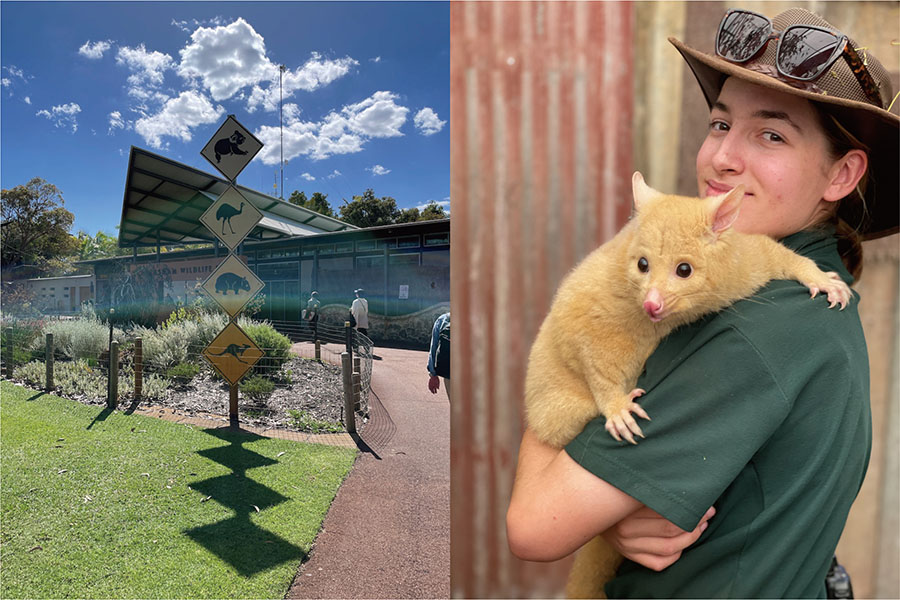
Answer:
(840, 142)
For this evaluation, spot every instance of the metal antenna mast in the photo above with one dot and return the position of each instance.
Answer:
(281, 122)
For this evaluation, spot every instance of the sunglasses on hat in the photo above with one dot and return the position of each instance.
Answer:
(804, 52)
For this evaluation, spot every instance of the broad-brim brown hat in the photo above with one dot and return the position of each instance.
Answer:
(840, 94)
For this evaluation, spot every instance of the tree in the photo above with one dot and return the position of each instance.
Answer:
(369, 211)
(36, 228)
(318, 202)
(432, 211)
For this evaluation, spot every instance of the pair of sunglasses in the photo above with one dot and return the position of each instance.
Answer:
(804, 52)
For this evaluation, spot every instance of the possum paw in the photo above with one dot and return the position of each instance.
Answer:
(621, 424)
(838, 292)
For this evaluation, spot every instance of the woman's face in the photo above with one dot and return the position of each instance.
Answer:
(771, 143)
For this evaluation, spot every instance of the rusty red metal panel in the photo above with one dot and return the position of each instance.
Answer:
(541, 109)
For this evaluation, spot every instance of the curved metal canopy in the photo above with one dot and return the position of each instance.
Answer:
(164, 200)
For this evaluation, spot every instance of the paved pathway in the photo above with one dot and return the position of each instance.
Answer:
(387, 534)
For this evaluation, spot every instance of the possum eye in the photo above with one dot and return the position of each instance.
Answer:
(643, 265)
(684, 270)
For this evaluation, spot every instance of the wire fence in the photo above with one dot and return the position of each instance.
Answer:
(297, 383)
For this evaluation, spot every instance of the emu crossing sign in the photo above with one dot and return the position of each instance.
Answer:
(231, 217)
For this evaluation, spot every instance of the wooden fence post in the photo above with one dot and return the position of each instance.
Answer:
(233, 404)
(349, 414)
(349, 335)
(10, 352)
(138, 368)
(48, 362)
(356, 389)
(112, 400)
(318, 351)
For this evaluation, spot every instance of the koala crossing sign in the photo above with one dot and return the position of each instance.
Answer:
(231, 148)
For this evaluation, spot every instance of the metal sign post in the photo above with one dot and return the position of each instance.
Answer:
(232, 285)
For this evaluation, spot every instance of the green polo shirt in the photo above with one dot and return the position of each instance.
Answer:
(763, 411)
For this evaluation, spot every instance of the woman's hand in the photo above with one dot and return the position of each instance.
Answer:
(648, 539)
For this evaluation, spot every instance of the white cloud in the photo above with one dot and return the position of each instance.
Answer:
(63, 115)
(343, 132)
(177, 117)
(378, 170)
(308, 177)
(226, 58)
(5, 82)
(427, 122)
(115, 122)
(445, 203)
(27, 100)
(147, 68)
(333, 174)
(291, 113)
(194, 23)
(315, 73)
(94, 50)
(377, 59)
(376, 116)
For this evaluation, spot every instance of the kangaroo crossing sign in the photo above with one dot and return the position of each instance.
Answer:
(232, 353)
(231, 148)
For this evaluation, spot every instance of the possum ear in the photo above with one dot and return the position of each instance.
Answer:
(643, 193)
(724, 209)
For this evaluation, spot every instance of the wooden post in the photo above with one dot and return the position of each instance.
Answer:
(349, 337)
(10, 352)
(48, 362)
(138, 368)
(349, 414)
(356, 362)
(356, 390)
(318, 351)
(112, 400)
(233, 404)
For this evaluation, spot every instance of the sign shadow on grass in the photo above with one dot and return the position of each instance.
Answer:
(101, 416)
(238, 541)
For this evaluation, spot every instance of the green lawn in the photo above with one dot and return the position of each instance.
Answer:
(99, 504)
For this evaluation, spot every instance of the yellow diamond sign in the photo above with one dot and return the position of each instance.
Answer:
(232, 353)
(231, 148)
(231, 217)
(232, 285)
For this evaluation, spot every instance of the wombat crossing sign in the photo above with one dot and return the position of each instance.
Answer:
(232, 285)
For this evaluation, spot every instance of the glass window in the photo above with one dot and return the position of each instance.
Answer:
(365, 245)
(405, 259)
(309, 251)
(326, 249)
(369, 262)
(409, 241)
(263, 254)
(437, 239)
(336, 264)
(280, 270)
(343, 247)
(436, 259)
(387, 242)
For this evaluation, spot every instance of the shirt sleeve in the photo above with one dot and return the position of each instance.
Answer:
(435, 335)
(710, 414)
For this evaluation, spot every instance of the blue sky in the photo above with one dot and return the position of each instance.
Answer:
(366, 95)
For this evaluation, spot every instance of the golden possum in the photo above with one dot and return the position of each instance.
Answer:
(676, 260)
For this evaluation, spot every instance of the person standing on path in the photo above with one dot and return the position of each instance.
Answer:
(311, 314)
(360, 311)
(439, 355)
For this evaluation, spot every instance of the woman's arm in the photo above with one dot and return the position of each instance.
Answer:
(557, 505)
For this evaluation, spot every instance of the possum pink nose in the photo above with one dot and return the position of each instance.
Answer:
(653, 303)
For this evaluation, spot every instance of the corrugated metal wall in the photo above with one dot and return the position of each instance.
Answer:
(541, 113)
(553, 105)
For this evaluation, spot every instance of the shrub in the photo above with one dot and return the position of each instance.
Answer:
(276, 346)
(306, 422)
(86, 337)
(183, 372)
(70, 378)
(257, 387)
